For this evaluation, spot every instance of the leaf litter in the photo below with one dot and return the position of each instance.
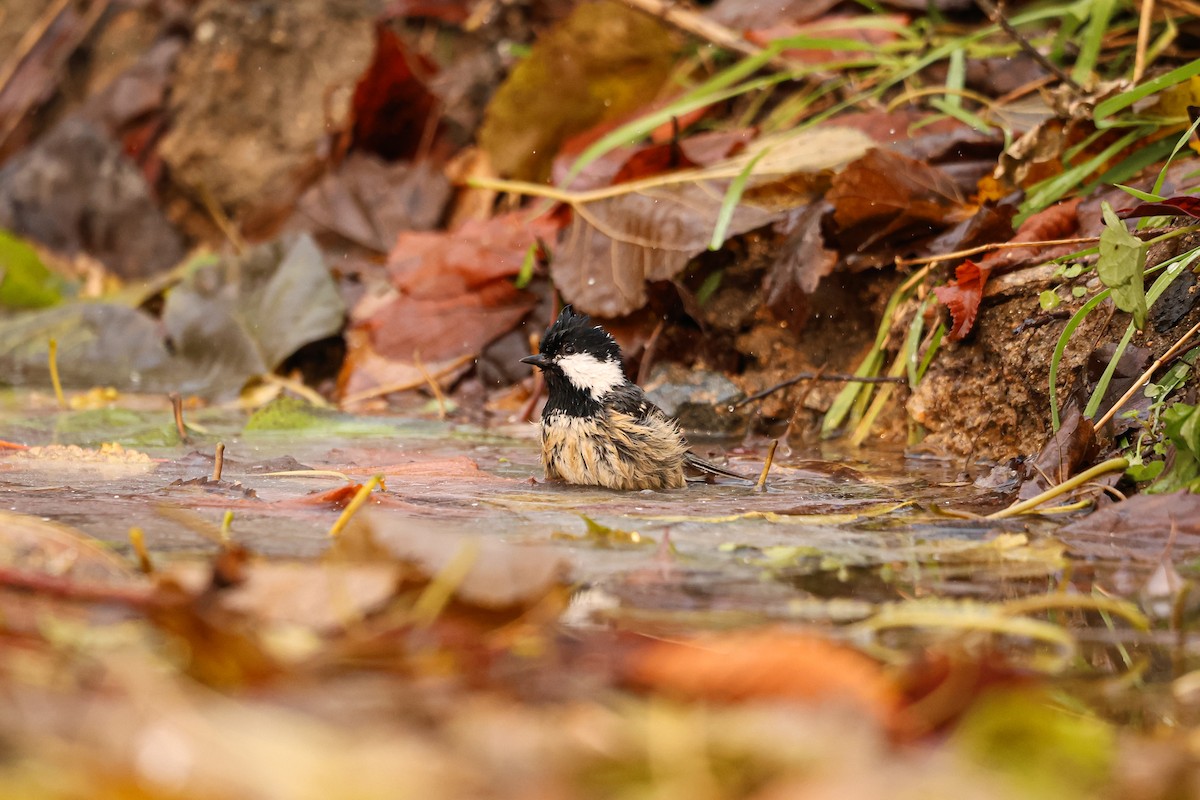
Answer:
(348, 606)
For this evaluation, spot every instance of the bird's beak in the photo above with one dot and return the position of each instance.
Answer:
(538, 360)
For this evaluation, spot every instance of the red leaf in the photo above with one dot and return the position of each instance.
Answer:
(1183, 206)
(392, 107)
(963, 296)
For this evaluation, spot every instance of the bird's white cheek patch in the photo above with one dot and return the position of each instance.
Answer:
(591, 374)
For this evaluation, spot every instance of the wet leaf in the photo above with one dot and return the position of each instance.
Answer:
(1121, 266)
(613, 56)
(1138, 529)
(963, 297)
(24, 280)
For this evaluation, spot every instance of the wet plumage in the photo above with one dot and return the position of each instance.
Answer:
(598, 428)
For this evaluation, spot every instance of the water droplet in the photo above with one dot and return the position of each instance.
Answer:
(591, 281)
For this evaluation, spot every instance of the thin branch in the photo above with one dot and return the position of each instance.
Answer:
(693, 23)
(819, 376)
(1143, 39)
(983, 248)
(1145, 376)
(996, 15)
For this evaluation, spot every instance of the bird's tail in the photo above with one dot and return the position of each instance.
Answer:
(707, 470)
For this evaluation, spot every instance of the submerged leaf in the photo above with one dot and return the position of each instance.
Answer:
(1121, 266)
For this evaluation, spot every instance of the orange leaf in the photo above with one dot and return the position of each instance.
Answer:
(768, 663)
(963, 296)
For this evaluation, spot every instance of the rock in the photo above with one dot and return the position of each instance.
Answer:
(699, 399)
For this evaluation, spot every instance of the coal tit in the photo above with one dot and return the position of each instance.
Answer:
(598, 428)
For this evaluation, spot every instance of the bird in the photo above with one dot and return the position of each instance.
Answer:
(598, 428)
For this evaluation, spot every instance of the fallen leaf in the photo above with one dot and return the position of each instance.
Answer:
(614, 247)
(242, 317)
(24, 280)
(803, 258)
(884, 193)
(1137, 529)
(1184, 206)
(613, 57)
(452, 291)
(765, 664)
(962, 296)
(391, 109)
(369, 202)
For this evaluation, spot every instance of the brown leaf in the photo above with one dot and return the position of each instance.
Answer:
(803, 258)
(1138, 529)
(612, 57)
(391, 108)
(614, 246)
(884, 193)
(453, 292)
(370, 202)
(963, 296)
(497, 576)
(1059, 221)
(1072, 447)
(761, 664)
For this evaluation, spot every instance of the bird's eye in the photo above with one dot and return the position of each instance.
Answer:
(568, 349)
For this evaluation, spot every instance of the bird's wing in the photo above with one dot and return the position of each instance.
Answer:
(630, 399)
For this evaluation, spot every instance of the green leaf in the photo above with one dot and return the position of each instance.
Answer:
(1140, 473)
(1121, 266)
(1181, 426)
(1049, 299)
(24, 280)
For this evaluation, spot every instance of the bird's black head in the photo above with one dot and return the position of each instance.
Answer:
(581, 362)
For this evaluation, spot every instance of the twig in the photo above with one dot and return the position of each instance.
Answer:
(649, 351)
(983, 248)
(996, 15)
(405, 386)
(1112, 465)
(836, 377)
(30, 40)
(696, 25)
(1145, 376)
(177, 410)
(761, 486)
(218, 462)
(432, 384)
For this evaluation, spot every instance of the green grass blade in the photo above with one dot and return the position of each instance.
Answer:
(734, 194)
(1112, 105)
(1073, 323)
(1093, 39)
